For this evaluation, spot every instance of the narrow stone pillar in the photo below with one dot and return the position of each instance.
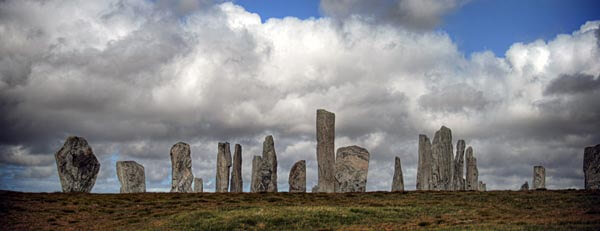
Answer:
(181, 164)
(443, 163)
(424, 165)
(256, 178)
(236, 172)
(131, 176)
(326, 150)
(269, 165)
(398, 180)
(223, 166)
(472, 172)
(297, 177)
(591, 167)
(458, 179)
(539, 177)
(198, 185)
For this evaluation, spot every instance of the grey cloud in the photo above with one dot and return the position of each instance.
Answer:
(454, 98)
(573, 84)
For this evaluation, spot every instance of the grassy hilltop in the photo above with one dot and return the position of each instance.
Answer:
(497, 210)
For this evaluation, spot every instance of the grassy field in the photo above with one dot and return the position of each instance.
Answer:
(497, 210)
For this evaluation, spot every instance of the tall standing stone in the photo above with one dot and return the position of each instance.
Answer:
(198, 185)
(398, 180)
(325, 150)
(525, 186)
(424, 165)
(77, 165)
(236, 172)
(256, 182)
(181, 168)
(458, 179)
(269, 165)
(539, 177)
(591, 167)
(223, 166)
(472, 172)
(131, 176)
(442, 163)
(351, 168)
(297, 178)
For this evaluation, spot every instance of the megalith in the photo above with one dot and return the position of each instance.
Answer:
(236, 172)
(325, 150)
(398, 180)
(131, 176)
(297, 177)
(223, 166)
(77, 165)
(539, 177)
(525, 186)
(351, 168)
(472, 181)
(198, 185)
(256, 182)
(424, 165)
(458, 179)
(442, 163)
(181, 168)
(264, 169)
(591, 167)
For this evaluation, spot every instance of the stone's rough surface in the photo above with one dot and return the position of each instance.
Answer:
(77, 165)
(398, 180)
(525, 186)
(315, 189)
(472, 172)
(223, 166)
(181, 168)
(326, 150)
(458, 180)
(131, 176)
(256, 183)
(198, 185)
(442, 163)
(591, 167)
(351, 168)
(481, 186)
(236, 173)
(297, 178)
(539, 177)
(424, 165)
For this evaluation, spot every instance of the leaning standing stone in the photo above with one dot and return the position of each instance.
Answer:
(223, 165)
(198, 185)
(591, 167)
(77, 165)
(297, 178)
(539, 177)
(181, 168)
(325, 150)
(131, 176)
(525, 186)
(351, 168)
(472, 172)
(398, 180)
(236, 172)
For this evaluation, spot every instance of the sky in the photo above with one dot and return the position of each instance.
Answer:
(519, 81)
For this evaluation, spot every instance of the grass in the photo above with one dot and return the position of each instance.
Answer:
(497, 210)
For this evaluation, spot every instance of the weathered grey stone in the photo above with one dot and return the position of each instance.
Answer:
(472, 172)
(424, 165)
(131, 176)
(525, 186)
(223, 166)
(458, 179)
(269, 165)
(442, 163)
(181, 168)
(398, 180)
(481, 186)
(325, 150)
(236, 173)
(77, 165)
(539, 177)
(315, 189)
(256, 183)
(351, 168)
(198, 185)
(297, 178)
(591, 167)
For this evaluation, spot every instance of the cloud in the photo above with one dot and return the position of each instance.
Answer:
(413, 14)
(135, 77)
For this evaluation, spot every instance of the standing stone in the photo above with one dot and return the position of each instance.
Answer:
(256, 183)
(472, 172)
(297, 178)
(442, 163)
(424, 165)
(236, 172)
(458, 179)
(198, 185)
(481, 186)
(398, 180)
(591, 167)
(181, 168)
(315, 189)
(539, 177)
(269, 165)
(77, 165)
(223, 166)
(325, 150)
(131, 176)
(351, 168)
(525, 186)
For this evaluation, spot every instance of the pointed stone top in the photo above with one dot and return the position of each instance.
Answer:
(397, 158)
(269, 139)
